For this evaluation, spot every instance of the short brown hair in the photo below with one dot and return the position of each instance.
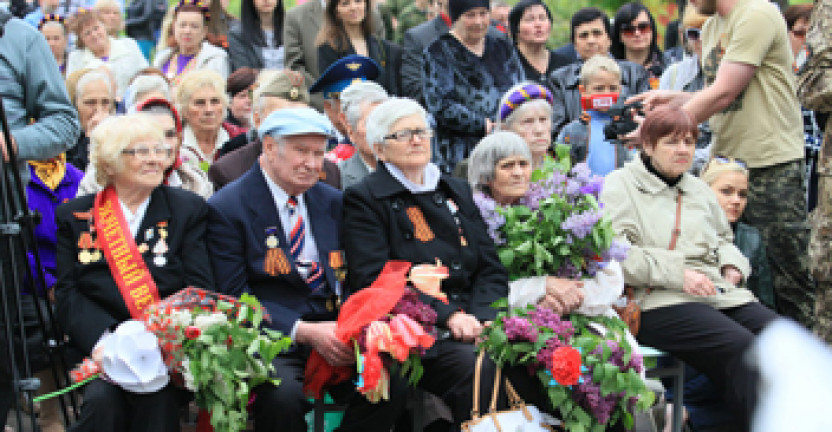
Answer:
(667, 121)
(81, 20)
(795, 13)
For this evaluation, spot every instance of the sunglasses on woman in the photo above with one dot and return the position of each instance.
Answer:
(693, 34)
(629, 29)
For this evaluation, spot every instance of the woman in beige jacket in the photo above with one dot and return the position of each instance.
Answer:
(691, 286)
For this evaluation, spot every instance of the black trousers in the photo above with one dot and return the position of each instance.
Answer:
(713, 342)
(107, 407)
(283, 408)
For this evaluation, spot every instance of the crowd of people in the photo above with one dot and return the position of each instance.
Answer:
(245, 154)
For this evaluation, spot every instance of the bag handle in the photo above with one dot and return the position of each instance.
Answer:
(674, 237)
(475, 410)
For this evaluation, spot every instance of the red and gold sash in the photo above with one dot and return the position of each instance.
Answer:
(126, 263)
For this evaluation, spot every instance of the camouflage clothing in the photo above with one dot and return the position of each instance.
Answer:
(777, 208)
(815, 93)
(410, 17)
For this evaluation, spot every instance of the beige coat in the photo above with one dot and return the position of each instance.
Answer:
(643, 210)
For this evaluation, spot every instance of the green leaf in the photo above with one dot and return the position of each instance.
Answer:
(506, 256)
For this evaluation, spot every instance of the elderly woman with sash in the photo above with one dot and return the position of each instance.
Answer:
(119, 251)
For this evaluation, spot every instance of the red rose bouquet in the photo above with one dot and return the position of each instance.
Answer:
(388, 326)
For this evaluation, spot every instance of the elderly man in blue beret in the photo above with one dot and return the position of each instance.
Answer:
(276, 233)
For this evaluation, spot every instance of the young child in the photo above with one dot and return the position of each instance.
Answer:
(600, 86)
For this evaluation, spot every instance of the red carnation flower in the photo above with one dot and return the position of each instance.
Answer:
(192, 332)
(566, 365)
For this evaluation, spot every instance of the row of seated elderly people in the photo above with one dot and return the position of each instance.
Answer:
(699, 309)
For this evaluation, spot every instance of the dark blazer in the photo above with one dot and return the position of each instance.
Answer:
(378, 228)
(353, 170)
(88, 299)
(387, 54)
(242, 53)
(567, 106)
(415, 41)
(238, 217)
(236, 163)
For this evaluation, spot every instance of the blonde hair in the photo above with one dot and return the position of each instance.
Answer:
(693, 19)
(596, 63)
(715, 168)
(113, 135)
(195, 80)
(111, 4)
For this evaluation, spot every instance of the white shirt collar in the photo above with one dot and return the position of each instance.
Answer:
(134, 220)
(429, 182)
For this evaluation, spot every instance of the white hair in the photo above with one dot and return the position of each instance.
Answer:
(385, 115)
(357, 96)
(491, 150)
(91, 77)
(143, 85)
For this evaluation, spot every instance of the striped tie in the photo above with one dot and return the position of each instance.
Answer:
(297, 239)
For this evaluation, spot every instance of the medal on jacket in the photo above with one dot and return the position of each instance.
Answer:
(338, 263)
(275, 262)
(85, 244)
(333, 302)
(161, 246)
(421, 230)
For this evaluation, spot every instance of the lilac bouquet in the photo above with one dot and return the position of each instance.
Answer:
(558, 228)
(602, 389)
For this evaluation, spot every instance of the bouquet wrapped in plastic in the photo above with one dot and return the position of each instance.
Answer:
(388, 326)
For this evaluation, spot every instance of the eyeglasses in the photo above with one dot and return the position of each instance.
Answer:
(170, 133)
(405, 135)
(800, 34)
(630, 30)
(585, 34)
(144, 152)
(693, 34)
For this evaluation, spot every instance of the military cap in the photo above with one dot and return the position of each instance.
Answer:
(344, 72)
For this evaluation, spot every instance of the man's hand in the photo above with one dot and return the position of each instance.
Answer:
(562, 295)
(321, 336)
(698, 284)
(3, 147)
(655, 98)
(464, 327)
(732, 275)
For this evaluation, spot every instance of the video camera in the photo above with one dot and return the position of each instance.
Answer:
(623, 121)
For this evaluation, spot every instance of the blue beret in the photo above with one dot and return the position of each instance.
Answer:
(295, 121)
(344, 72)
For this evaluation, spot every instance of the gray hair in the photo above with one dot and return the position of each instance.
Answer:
(357, 96)
(91, 77)
(491, 150)
(385, 115)
(142, 85)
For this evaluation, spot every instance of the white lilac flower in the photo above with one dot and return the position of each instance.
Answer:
(205, 321)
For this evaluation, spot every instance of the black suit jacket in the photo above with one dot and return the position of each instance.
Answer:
(88, 299)
(378, 228)
(387, 54)
(239, 217)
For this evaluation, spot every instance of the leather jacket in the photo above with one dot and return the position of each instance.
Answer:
(564, 83)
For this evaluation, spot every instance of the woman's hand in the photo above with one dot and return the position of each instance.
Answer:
(464, 327)
(321, 336)
(732, 275)
(562, 295)
(698, 284)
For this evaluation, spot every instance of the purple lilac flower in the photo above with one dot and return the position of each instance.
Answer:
(588, 395)
(543, 317)
(581, 224)
(581, 172)
(492, 217)
(593, 187)
(519, 329)
(544, 355)
(411, 306)
(617, 251)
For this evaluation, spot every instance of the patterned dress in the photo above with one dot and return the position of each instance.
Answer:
(462, 89)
